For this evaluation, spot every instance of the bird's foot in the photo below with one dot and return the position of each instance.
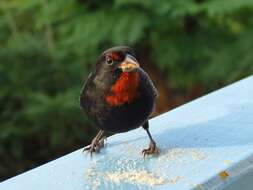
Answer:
(151, 150)
(95, 146)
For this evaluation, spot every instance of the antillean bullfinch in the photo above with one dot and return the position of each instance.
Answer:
(118, 96)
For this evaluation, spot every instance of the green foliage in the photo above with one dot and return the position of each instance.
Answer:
(47, 48)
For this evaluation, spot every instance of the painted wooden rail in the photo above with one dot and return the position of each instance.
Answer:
(205, 144)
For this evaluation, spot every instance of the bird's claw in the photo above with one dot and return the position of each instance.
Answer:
(151, 150)
(94, 147)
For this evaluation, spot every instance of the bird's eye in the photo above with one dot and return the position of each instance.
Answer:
(109, 61)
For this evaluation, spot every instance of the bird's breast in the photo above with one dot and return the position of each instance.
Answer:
(124, 90)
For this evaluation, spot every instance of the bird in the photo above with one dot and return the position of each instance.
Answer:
(118, 96)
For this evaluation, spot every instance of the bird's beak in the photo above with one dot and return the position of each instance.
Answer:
(129, 64)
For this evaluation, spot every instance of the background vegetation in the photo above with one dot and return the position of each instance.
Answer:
(47, 48)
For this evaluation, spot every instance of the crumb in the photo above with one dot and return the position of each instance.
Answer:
(224, 175)
(197, 155)
(174, 180)
(227, 162)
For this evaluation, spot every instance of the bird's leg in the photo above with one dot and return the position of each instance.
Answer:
(96, 143)
(152, 149)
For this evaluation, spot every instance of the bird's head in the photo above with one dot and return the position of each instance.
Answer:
(117, 72)
(118, 59)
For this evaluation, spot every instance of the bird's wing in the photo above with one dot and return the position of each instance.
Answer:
(149, 84)
(81, 99)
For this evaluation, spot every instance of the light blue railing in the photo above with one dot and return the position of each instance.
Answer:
(205, 144)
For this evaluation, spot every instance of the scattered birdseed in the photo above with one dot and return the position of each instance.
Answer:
(177, 154)
(141, 177)
(135, 172)
(124, 171)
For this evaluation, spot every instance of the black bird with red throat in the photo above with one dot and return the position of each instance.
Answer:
(118, 96)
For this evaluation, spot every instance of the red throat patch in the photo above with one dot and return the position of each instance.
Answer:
(125, 90)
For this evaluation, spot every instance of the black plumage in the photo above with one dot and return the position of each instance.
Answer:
(118, 96)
